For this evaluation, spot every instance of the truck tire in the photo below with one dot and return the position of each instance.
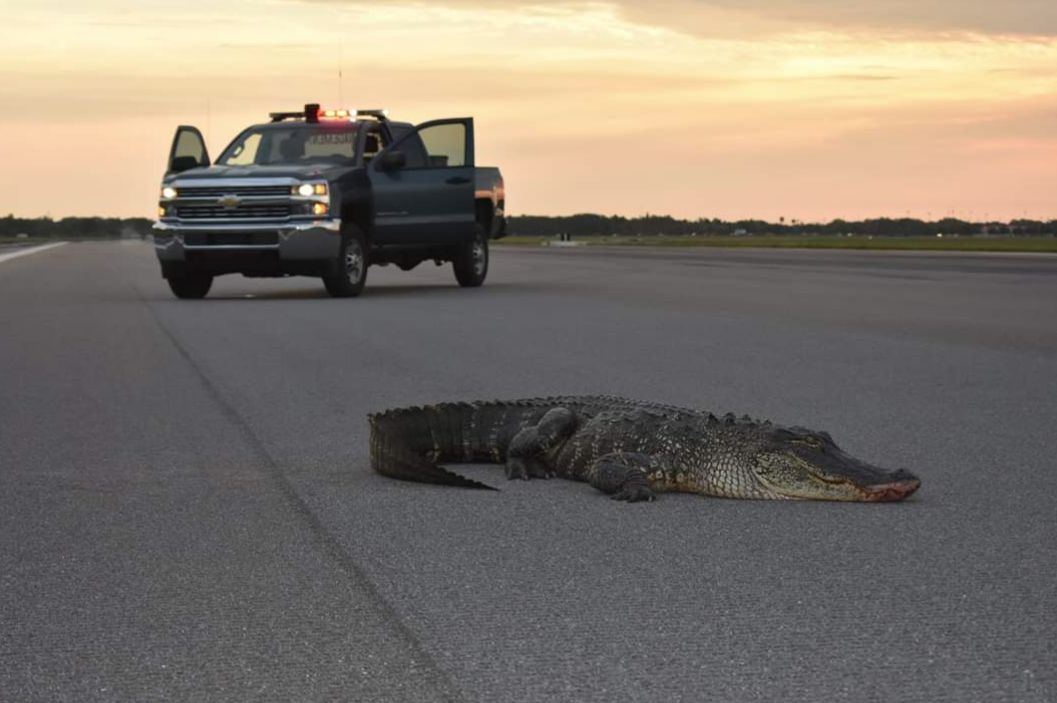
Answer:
(193, 286)
(352, 265)
(471, 260)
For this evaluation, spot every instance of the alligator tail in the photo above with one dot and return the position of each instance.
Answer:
(407, 443)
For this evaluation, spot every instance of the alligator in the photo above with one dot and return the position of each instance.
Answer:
(628, 449)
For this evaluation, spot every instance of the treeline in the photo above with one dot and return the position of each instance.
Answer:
(75, 227)
(589, 225)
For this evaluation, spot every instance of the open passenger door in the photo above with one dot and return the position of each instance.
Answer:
(423, 185)
(188, 150)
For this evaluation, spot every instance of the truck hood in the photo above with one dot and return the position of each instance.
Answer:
(305, 173)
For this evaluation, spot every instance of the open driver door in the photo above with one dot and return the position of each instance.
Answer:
(188, 151)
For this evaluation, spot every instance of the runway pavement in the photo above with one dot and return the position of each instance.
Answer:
(187, 512)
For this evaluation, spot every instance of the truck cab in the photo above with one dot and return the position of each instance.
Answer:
(327, 193)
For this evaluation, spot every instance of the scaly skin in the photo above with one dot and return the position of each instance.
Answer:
(628, 449)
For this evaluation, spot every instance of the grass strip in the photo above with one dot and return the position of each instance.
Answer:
(993, 244)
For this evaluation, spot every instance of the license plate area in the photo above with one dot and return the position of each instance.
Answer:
(230, 239)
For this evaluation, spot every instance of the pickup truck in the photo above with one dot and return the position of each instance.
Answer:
(327, 193)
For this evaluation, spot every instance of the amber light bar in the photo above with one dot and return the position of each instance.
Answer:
(312, 113)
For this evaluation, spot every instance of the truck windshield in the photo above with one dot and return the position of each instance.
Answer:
(292, 144)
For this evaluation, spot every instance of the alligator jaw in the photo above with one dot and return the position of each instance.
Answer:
(874, 485)
(891, 492)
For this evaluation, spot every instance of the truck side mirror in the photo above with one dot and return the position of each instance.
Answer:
(183, 163)
(392, 161)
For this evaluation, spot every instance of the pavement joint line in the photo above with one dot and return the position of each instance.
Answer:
(31, 250)
(327, 542)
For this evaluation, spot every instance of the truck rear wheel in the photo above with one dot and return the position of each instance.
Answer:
(352, 265)
(192, 286)
(471, 261)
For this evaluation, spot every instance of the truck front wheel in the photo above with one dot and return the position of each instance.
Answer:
(471, 260)
(352, 265)
(193, 286)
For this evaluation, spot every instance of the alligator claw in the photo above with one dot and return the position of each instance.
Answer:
(538, 469)
(636, 494)
(527, 469)
(515, 468)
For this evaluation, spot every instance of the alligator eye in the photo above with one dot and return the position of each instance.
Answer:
(812, 442)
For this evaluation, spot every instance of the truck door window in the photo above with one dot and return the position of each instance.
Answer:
(188, 144)
(414, 152)
(373, 144)
(445, 145)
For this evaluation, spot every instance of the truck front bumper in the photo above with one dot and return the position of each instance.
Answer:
(254, 248)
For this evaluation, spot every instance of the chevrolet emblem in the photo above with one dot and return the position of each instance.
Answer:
(231, 201)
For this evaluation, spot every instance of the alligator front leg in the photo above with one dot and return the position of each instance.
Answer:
(624, 476)
(530, 452)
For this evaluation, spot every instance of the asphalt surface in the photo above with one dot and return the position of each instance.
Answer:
(187, 512)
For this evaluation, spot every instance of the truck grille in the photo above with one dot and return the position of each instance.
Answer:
(241, 191)
(215, 211)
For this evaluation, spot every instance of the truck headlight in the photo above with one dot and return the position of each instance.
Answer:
(311, 209)
(307, 190)
(168, 192)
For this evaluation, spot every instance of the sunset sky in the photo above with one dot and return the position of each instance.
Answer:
(811, 110)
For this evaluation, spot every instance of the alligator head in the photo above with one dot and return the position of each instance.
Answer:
(803, 464)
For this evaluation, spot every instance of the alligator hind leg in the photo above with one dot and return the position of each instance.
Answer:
(623, 476)
(529, 451)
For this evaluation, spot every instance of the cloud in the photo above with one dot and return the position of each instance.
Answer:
(983, 16)
(723, 17)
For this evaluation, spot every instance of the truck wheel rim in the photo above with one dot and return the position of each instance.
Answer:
(480, 258)
(353, 261)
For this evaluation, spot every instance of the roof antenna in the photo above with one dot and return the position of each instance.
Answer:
(341, 96)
